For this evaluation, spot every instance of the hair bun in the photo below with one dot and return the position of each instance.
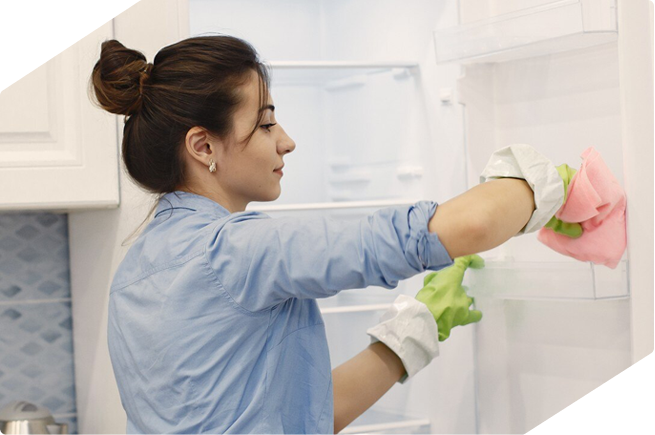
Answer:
(119, 77)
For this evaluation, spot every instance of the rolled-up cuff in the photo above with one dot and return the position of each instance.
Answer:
(525, 162)
(410, 331)
(427, 247)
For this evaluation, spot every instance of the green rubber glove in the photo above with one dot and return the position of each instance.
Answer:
(572, 230)
(446, 298)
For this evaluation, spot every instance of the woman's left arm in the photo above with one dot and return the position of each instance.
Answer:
(261, 262)
(362, 380)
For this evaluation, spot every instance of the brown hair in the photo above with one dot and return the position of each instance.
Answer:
(193, 82)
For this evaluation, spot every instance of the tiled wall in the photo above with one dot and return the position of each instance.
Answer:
(36, 340)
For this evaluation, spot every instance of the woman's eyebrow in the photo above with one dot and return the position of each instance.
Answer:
(270, 106)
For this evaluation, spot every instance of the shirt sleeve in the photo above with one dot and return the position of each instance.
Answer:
(262, 261)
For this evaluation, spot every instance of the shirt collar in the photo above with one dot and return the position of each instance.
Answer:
(189, 201)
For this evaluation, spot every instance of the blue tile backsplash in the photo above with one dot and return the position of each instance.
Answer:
(36, 337)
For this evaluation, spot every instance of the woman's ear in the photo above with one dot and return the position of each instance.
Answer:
(200, 145)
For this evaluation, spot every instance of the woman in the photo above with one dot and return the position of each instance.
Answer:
(213, 323)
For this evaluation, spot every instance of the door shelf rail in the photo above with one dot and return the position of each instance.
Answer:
(571, 280)
(554, 27)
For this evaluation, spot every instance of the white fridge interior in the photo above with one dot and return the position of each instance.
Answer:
(392, 102)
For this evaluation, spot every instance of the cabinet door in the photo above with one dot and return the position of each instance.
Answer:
(57, 150)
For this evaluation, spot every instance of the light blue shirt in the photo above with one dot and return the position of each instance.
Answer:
(213, 322)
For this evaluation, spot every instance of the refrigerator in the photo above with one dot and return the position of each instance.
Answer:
(392, 102)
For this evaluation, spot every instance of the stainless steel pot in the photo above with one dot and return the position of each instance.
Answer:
(21, 417)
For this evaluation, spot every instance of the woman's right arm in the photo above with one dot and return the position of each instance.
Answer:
(483, 217)
(362, 380)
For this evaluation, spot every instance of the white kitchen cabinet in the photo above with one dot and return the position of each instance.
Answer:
(58, 151)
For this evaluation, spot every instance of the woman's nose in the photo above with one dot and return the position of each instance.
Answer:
(286, 144)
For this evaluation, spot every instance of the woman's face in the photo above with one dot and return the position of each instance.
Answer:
(251, 171)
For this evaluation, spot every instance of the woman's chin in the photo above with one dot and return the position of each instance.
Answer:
(272, 195)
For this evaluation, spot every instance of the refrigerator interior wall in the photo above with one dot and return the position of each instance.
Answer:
(357, 130)
(366, 136)
(379, 121)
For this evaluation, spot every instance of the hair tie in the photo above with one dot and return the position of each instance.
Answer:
(145, 75)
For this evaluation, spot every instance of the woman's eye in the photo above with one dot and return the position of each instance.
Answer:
(268, 126)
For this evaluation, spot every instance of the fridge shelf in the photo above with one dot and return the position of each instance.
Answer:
(360, 300)
(554, 27)
(374, 421)
(343, 205)
(333, 73)
(548, 280)
(355, 308)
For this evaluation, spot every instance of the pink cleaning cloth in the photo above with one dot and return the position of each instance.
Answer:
(597, 201)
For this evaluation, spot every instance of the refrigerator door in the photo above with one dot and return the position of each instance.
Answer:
(553, 351)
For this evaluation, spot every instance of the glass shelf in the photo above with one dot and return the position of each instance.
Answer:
(551, 28)
(548, 280)
(374, 421)
(333, 73)
(360, 300)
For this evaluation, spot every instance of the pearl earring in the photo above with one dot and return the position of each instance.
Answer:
(212, 166)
